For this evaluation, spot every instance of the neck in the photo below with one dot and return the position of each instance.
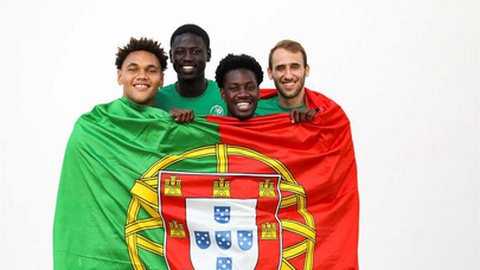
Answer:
(191, 88)
(294, 102)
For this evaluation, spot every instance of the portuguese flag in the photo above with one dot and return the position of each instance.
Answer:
(139, 191)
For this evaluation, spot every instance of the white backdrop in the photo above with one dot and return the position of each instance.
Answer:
(406, 73)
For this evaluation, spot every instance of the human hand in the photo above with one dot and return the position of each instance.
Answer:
(182, 115)
(302, 115)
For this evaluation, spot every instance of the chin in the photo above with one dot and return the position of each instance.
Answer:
(243, 117)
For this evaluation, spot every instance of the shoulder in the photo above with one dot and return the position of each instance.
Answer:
(168, 88)
(212, 86)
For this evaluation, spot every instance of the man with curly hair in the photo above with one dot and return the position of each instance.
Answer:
(140, 69)
(239, 78)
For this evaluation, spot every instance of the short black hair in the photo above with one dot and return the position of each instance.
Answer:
(193, 29)
(234, 62)
(142, 44)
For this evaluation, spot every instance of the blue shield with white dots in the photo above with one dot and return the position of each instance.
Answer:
(245, 239)
(223, 239)
(221, 214)
(224, 263)
(202, 239)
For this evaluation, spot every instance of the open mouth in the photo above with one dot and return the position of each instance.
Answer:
(289, 84)
(243, 105)
(188, 69)
(141, 87)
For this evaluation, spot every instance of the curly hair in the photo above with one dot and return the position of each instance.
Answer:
(192, 29)
(142, 44)
(234, 62)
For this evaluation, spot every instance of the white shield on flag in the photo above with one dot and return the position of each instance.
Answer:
(232, 233)
(221, 220)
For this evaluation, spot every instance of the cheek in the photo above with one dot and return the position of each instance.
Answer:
(229, 97)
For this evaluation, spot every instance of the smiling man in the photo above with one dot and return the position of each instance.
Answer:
(239, 78)
(140, 66)
(77, 226)
(288, 68)
(192, 93)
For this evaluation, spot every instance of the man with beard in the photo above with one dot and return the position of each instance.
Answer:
(288, 68)
(192, 93)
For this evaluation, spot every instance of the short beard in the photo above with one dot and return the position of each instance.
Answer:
(289, 96)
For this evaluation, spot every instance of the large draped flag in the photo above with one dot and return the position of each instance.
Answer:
(139, 191)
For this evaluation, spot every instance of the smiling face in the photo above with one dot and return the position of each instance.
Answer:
(141, 76)
(288, 73)
(241, 93)
(189, 56)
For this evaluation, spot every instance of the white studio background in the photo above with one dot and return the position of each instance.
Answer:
(406, 73)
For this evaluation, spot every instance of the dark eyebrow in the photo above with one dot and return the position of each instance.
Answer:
(132, 64)
(154, 66)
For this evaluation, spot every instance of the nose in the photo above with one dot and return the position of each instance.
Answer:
(288, 73)
(142, 74)
(188, 56)
(243, 92)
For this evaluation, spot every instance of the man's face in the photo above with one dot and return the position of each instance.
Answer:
(141, 76)
(288, 73)
(241, 93)
(189, 56)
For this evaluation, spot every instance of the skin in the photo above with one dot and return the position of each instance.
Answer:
(241, 93)
(288, 73)
(302, 115)
(141, 76)
(189, 57)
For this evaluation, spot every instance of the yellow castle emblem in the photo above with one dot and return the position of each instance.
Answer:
(221, 188)
(266, 189)
(173, 186)
(177, 230)
(269, 231)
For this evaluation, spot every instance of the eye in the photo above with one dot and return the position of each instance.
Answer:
(233, 88)
(252, 87)
(296, 66)
(179, 52)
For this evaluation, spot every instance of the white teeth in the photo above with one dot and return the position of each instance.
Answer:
(142, 86)
(289, 84)
(187, 68)
(243, 105)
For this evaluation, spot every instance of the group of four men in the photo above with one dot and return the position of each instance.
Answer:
(236, 89)
(116, 142)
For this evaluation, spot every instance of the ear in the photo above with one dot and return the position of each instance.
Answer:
(119, 77)
(160, 85)
(269, 71)
(307, 70)
(209, 54)
(170, 56)
(222, 94)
